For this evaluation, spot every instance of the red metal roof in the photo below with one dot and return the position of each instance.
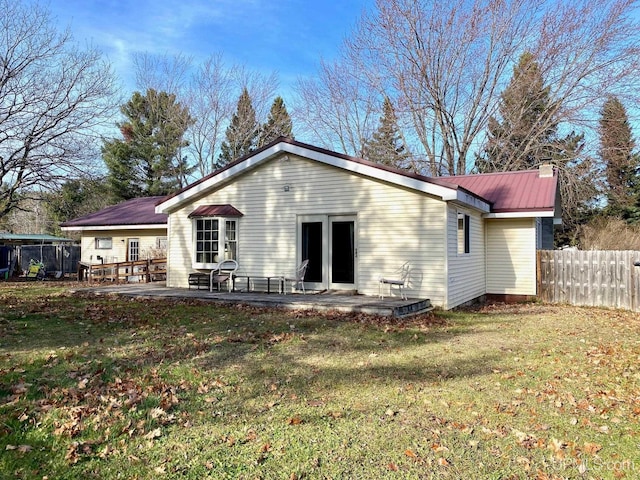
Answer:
(137, 211)
(511, 191)
(215, 211)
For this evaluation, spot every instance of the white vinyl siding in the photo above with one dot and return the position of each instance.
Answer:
(394, 225)
(511, 256)
(466, 271)
(148, 240)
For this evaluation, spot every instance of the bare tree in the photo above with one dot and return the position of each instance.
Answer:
(339, 108)
(210, 96)
(163, 73)
(53, 97)
(445, 63)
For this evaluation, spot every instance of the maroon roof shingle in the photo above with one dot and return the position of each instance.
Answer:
(137, 211)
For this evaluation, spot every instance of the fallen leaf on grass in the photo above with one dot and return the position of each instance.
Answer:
(153, 434)
(393, 467)
(443, 462)
(410, 453)
(592, 448)
(294, 420)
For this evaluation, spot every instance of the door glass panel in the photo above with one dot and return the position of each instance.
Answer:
(312, 250)
(134, 249)
(343, 252)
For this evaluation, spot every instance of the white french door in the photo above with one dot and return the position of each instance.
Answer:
(329, 242)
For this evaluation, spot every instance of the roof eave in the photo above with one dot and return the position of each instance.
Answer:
(446, 193)
(521, 213)
(144, 226)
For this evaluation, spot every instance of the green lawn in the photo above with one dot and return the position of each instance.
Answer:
(96, 387)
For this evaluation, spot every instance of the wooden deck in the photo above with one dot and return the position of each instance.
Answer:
(388, 307)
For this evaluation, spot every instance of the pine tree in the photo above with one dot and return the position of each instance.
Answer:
(524, 135)
(147, 160)
(386, 145)
(242, 133)
(278, 123)
(620, 162)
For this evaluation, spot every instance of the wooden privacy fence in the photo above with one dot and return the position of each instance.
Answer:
(601, 278)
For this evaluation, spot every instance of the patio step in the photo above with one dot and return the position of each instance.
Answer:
(416, 308)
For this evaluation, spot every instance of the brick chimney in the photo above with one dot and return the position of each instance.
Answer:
(546, 170)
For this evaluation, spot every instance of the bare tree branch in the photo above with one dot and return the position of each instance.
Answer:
(54, 98)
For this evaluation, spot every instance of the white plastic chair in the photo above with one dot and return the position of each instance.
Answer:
(298, 279)
(224, 273)
(401, 281)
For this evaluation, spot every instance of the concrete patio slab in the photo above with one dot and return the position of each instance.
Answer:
(388, 307)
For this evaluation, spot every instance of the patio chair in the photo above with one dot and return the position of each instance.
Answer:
(224, 273)
(297, 279)
(401, 281)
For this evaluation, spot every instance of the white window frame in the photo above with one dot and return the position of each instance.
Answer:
(100, 240)
(133, 247)
(162, 243)
(463, 245)
(223, 243)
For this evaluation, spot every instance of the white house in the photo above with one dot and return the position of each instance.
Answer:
(128, 231)
(354, 220)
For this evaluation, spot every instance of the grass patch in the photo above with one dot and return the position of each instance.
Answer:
(95, 387)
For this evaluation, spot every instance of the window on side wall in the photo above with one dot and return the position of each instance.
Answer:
(161, 243)
(463, 234)
(216, 239)
(104, 243)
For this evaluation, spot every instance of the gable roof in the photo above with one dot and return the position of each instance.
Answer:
(134, 213)
(283, 146)
(523, 193)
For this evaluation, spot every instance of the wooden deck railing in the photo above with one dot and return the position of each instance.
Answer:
(139, 270)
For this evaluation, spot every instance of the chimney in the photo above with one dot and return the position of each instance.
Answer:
(546, 170)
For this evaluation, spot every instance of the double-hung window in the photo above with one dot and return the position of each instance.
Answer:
(463, 234)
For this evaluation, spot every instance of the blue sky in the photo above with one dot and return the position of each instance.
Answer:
(288, 36)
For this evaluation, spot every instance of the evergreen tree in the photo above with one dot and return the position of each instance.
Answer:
(386, 146)
(278, 123)
(524, 136)
(147, 161)
(242, 133)
(621, 164)
(75, 198)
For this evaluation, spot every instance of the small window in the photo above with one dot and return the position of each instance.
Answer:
(230, 240)
(161, 243)
(104, 243)
(463, 234)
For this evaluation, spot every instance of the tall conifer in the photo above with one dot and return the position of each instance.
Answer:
(242, 133)
(386, 145)
(278, 123)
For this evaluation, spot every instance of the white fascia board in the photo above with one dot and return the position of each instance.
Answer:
(472, 201)
(529, 214)
(150, 226)
(444, 193)
(250, 162)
